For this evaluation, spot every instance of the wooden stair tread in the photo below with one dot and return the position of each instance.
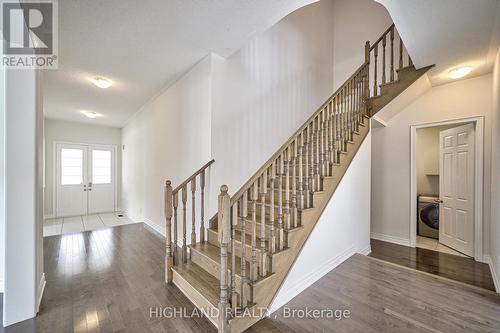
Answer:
(207, 285)
(213, 252)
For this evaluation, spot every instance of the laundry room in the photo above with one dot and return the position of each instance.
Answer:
(431, 158)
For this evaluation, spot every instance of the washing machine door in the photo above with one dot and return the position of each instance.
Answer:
(430, 215)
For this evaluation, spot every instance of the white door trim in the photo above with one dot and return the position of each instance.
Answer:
(478, 180)
(54, 170)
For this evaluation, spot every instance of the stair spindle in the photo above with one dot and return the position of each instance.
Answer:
(400, 53)
(184, 241)
(168, 232)
(383, 59)
(243, 215)
(202, 207)
(253, 262)
(263, 191)
(235, 300)
(279, 172)
(375, 83)
(294, 183)
(287, 165)
(300, 151)
(306, 180)
(174, 244)
(193, 213)
(272, 236)
(392, 53)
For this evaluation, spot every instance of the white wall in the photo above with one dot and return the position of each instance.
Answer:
(169, 138)
(391, 151)
(24, 278)
(2, 178)
(495, 200)
(60, 130)
(355, 22)
(342, 230)
(265, 91)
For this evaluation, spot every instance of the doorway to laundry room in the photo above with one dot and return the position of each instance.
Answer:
(444, 187)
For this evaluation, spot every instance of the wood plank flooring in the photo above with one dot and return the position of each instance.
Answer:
(107, 280)
(453, 267)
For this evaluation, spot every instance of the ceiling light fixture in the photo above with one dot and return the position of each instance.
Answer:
(91, 114)
(101, 82)
(460, 72)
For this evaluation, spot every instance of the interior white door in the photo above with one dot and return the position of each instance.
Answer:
(456, 188)
(101, 186)
(71, 180)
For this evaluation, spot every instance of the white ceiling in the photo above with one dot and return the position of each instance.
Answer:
(448, 33)
(143, 46)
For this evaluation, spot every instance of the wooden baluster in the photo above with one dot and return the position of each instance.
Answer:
(343, 117)
(272, 236)
(400, 53)
(311, 188)
(294, 182)
(349, 109)
(358, 99)
(304, 176)
(392, 53)
(287, 165)
(329, 132)
(174, 245)
(383, 59)
(375, 84)
(280, 201)
(243, 215)
(224, 227)
(301, 148)
(235, 299)
(337, 127)
(253, 263)
(202, 207)
(317, 153)
(322, 143)
(184, 245)
(169, 261)
(193, 213)
(263, 191)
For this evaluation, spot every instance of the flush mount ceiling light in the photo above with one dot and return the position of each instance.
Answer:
(90, 114)
(460, 72)
(101, 82)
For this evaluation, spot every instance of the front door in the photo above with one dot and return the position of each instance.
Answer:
(85, 179)
(456, 188)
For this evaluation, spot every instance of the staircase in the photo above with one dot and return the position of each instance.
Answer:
(233, 269)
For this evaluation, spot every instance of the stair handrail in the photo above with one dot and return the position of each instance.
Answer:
(171, 204)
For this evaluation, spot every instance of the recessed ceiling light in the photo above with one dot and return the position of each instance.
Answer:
(91, 114)
(457, 73)
(101, 82)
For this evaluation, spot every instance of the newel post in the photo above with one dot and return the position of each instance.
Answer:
(224, 237)
(168, 232)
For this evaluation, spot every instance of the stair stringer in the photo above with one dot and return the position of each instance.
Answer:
(342, 230)
(283, 263)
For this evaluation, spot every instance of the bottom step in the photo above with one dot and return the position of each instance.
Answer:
(200, 287)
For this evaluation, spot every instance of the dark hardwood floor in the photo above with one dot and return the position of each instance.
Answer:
(107, 281)
(453, 267)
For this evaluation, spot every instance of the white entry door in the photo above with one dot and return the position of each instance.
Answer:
(85, 179)
(456, 188)
(101, 186)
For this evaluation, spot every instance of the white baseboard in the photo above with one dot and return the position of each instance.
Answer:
(155, 227)
(310, 279)
(48, 216)
(366, 250)
(390, 239)
(491, 263)
(41, 289)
